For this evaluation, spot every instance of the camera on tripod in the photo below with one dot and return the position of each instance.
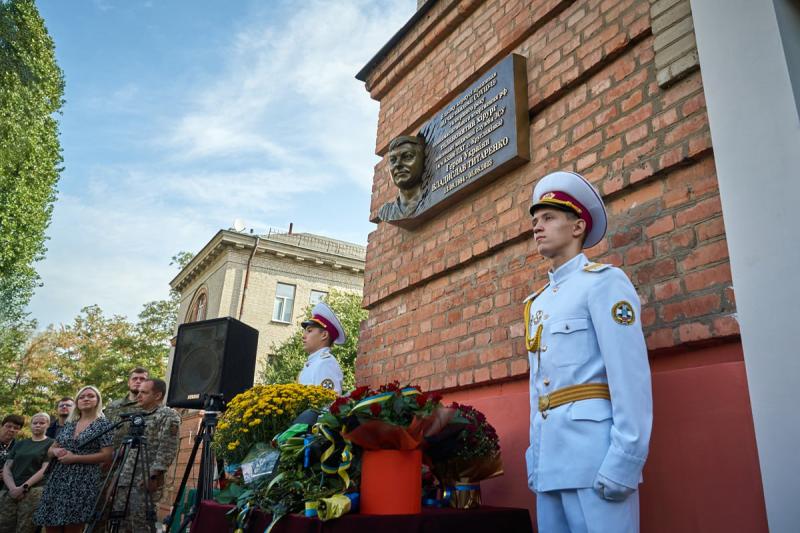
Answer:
(135, 422)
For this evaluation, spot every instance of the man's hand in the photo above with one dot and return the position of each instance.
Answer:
(611, 490)
(17, 493)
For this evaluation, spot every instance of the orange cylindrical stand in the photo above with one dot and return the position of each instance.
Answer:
(391, 482)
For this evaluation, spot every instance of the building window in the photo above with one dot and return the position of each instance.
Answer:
(197, 311)
(317, 296)
(284, 303)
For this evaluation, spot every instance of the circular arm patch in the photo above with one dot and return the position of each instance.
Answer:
(623, 313)
(327, 383)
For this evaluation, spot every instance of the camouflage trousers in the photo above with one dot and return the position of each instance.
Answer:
(136, 520)
(16, 516)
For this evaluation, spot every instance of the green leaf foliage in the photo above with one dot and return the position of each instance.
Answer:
(31, 96)
(39, 367)
(286, 359)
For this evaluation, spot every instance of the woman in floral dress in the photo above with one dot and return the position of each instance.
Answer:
(71, 491)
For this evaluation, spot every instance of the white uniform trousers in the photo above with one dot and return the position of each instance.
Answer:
(584, 511)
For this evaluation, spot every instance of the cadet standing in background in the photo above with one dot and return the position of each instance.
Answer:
(321, 331)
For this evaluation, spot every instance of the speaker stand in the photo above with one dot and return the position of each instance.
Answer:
(213, 404)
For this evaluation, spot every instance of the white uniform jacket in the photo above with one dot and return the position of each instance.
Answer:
(322, 369)
(591, 334)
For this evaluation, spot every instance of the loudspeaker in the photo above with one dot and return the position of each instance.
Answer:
(216, 356)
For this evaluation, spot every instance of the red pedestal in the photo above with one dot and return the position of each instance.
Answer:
(391, 482)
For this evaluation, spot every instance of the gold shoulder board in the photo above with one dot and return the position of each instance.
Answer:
(596, 267)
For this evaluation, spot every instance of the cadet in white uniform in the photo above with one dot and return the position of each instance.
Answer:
(319, 332)
(591, 400)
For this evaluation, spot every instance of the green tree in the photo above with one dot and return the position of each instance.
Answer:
(36, 368)
(31, 96)
(286, 359)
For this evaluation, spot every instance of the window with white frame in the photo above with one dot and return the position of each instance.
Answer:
(317, 296)
(284, 303)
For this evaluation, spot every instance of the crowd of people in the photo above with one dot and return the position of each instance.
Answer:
(52, 481)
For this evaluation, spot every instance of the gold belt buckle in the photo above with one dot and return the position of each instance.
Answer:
(544, 404)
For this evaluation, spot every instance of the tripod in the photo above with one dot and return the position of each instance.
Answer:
(134, 446)
(213, 404)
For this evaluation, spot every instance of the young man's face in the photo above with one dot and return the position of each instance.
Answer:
(147, 397)
(314, 338)
(135, 381)
(65, 407)
(555, 231)
(9, 431)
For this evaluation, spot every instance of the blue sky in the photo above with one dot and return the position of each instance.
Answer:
(183, 115)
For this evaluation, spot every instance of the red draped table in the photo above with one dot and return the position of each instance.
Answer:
(211, 519)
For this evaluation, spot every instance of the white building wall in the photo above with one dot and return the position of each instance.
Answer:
(755, 131)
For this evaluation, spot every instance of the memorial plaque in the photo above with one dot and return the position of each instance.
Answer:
(476, 138)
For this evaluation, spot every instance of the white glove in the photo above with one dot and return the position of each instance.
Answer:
(611, 490)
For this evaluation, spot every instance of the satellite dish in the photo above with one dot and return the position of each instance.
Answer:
(238, 224)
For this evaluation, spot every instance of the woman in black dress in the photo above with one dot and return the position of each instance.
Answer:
(69, 496)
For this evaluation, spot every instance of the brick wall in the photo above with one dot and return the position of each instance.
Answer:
(445, 299)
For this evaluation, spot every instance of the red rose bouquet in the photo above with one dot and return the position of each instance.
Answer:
(468, 450)
(389, 418)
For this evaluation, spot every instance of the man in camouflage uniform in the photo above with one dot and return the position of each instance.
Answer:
(161, 441)
(126, 405)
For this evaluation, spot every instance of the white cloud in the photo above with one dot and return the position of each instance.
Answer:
(289, 93)
(282, 120)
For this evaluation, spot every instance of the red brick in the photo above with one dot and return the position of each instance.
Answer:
(709, 229)
(637, 254)
(667, 289)
(694, 331)
(625, 237)
(708, 277)
(611, 147)
(631, 101)
(465, 378)
(725, 326)
(691, 307)
(693, 104)
(660, 338)
(499, 370)
(659, 269)
(519, 366)
(706, 254)
(700, 211)
(482, 374)
(645, 194)
(685, 128)
(662, 225)
(648, 317)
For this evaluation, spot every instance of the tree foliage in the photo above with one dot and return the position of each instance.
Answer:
(37, 368)
(286, 359)
(31, 96)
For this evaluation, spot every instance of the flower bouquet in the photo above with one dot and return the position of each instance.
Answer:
(390, 424)
(464, 454)
(257, 415)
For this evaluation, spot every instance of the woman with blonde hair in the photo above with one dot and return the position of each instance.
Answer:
(23, 476)
(69, 496)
